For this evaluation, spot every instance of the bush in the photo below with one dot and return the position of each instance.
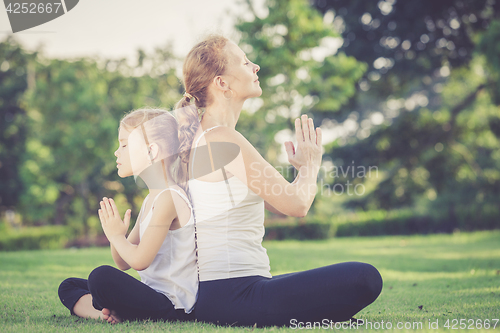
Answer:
(392, 225)
(34, 238)
(380, 222)
(300, 231)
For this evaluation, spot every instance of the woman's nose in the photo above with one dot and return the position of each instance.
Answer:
(257, 68)
(116, 152)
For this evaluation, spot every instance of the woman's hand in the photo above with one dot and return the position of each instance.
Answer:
(111, 223)
(308, 144)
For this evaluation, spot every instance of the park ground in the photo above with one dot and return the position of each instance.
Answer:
(438, 283)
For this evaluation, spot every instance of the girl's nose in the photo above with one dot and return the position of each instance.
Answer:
(116, 152)
(257, 68)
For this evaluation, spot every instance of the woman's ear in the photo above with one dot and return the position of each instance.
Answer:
(154, 150)
(220, 83)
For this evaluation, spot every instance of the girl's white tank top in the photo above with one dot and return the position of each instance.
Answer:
(173, 271)
(229, 220)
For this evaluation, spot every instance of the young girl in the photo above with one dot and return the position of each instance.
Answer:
(161, 246)
(236, 286)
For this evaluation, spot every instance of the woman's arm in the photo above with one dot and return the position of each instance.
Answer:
(272, 209)
(138, 256)
(250, 167)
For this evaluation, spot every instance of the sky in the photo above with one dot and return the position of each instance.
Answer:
(117, 28)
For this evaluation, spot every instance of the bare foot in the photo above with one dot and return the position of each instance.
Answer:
(105, 313)
(84, 308)
(110, 316)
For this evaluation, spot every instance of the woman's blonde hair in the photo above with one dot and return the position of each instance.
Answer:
(204, 62)
(160, 127)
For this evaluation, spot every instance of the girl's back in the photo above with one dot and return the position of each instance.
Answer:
(173, 271)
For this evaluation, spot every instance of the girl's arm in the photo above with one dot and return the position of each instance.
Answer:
(138, 256)
(250, 167)
(133, 238)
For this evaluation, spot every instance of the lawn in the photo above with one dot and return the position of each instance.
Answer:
(426, 279)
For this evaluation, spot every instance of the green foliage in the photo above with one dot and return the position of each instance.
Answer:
(70, 114)
(417, 37)
(433, 80)
(299, 231)
(381, 222)
(72, 135)
(489, 46)
(13, 130)
(300, 70)
(34, 238)
(429, 69)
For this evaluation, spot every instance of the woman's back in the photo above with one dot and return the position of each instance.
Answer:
(229, 221)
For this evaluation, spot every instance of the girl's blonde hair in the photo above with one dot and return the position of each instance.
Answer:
(204, 62)
(160, 127)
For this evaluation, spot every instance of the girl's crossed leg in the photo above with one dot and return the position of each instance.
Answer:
(114, 296)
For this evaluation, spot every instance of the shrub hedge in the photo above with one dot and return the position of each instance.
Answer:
(34, 238)
(370, 223)
(375, 223)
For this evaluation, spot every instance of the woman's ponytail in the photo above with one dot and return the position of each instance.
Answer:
(204, 62)
(189, 121)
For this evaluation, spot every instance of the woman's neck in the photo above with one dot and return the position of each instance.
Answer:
(224, 113)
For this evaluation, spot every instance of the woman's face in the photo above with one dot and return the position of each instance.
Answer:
(241, 73)
(131, 155)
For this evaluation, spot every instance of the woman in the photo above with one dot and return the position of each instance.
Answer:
(236, 287)
(160, 246)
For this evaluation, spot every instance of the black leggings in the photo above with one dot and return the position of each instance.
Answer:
(118, 291)
(335, 292)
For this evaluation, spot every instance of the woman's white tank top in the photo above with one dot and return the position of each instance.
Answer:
(173, 271)
(229, 220)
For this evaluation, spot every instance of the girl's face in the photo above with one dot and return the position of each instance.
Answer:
(241, 73)
(131, 156)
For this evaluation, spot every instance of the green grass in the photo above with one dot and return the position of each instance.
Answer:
(452, 276)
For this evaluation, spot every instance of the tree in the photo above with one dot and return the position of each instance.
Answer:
(432, 76)
(300, 70)
(13, 82)
(409, 40)
(73, 112)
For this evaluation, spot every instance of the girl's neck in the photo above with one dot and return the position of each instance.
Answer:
(154, 178)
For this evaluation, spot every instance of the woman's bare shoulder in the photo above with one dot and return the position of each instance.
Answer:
(226, 134)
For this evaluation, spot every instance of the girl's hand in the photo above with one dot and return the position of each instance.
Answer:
(111, 223)
(308, 144)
